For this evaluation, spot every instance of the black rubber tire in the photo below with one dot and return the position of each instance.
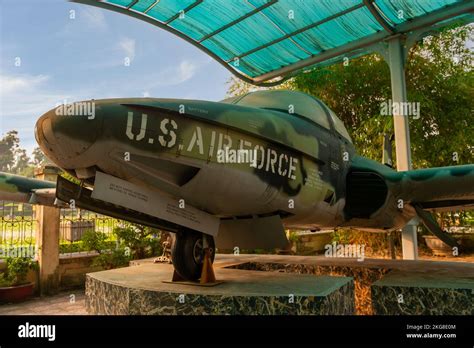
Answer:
(182, 253)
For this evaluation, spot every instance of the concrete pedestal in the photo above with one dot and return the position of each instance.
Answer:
(422, 293)
(262, 284)
(142, 290)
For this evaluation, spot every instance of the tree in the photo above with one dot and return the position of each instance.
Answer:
(15, 160)
(22, 163)
(439, 77)
(439, 74)
(239, 87)
(9, 145)
(141, 240)
(39, 158)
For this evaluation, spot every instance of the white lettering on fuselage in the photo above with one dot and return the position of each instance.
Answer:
(267, 159)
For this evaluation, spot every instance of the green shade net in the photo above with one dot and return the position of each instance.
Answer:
(253, 38)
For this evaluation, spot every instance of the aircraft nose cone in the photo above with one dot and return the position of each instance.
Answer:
(66, 133)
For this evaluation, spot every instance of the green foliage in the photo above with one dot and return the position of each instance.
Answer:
(39, 159)
(376, 244)
(142, 241)
(112, 259)
(133, 242)
(9, 146)
(239, 87)
(74, 247)
(17, 270)
(293, 236)
(341, 236)
(438, 75)
(14, 159)
(92, 240)
(109, 257)
(4, 282)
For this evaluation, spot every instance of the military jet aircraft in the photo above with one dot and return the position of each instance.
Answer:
(235, 173)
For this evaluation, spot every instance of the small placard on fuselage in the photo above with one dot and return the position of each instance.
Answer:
(123, 193)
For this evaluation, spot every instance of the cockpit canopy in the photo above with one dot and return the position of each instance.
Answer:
(293, 102)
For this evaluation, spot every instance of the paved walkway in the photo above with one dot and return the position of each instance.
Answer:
(64, 303)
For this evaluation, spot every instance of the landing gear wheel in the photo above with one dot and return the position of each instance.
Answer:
(187, 253)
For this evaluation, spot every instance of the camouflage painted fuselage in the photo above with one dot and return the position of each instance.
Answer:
(303, 171)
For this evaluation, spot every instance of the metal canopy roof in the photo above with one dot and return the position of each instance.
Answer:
(260, 40)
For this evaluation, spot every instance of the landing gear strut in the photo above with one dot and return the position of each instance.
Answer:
(188, 251)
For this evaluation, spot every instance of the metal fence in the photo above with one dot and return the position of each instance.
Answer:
(19, 223)
(18, 226)
(75, 222)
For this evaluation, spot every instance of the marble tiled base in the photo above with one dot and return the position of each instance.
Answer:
(363, 276)
(415, 293)
(141, 290)
(386, 287)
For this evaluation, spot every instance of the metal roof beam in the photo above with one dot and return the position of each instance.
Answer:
(299, 31)
(326, 55)
(283, 32)
(378, 17)
(151, 6)
(193, 5)
(442, 14)
(132, 4)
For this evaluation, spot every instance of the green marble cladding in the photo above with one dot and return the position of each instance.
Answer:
(422, 301)
(363, 277)
(415, 293)
(377, 290)
(106, 298)
(112, 299)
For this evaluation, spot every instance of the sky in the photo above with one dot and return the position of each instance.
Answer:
(50, 55)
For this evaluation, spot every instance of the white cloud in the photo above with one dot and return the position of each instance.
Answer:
(13, 84)
(172, 76)
(93, 17)
(127, 46)
(83, 19)
(146, 94)
(23, 99)
(26, 95)
(186, 70)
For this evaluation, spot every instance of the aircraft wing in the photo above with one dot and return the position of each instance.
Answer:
(406, 194)
(21, 189)
(439, 189)
(435, 189)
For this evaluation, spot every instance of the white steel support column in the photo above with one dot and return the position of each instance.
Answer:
(396, 62)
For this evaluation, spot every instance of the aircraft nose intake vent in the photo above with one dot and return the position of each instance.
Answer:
(366, 193)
